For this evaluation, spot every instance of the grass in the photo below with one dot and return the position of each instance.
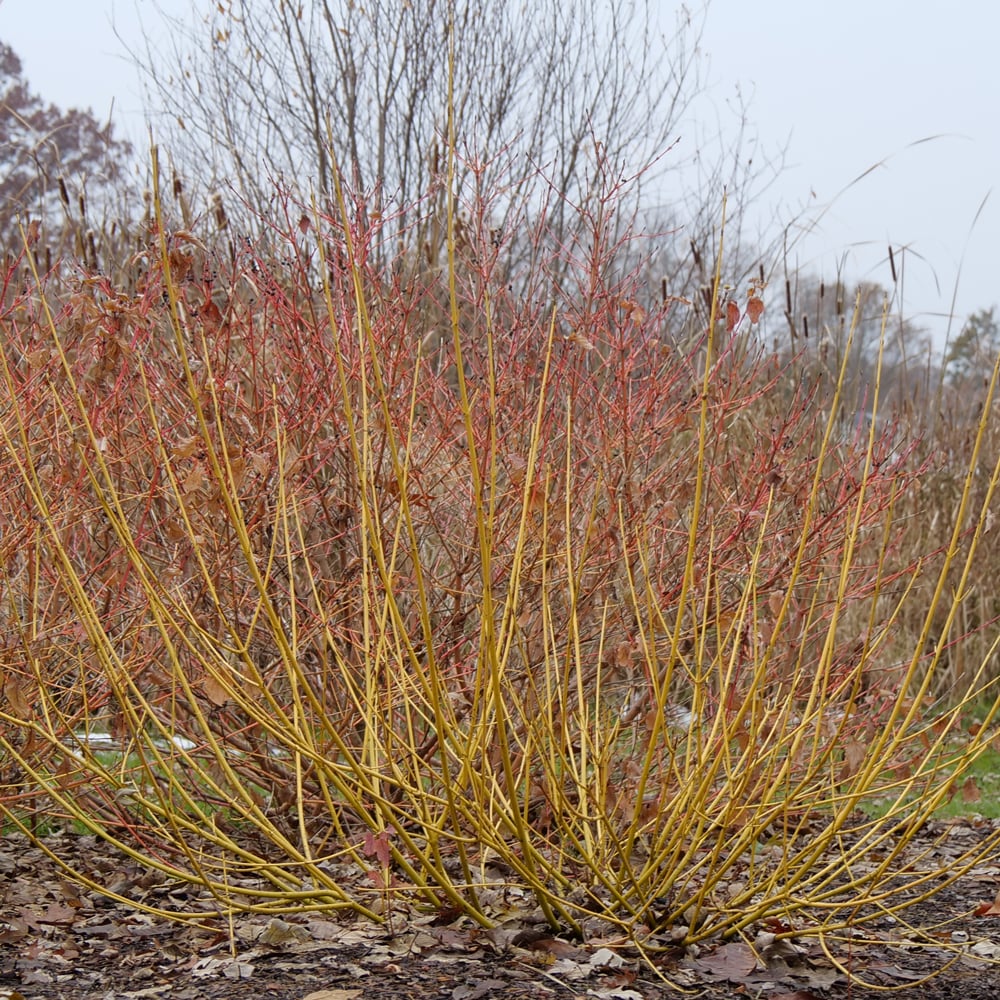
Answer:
(977, 794)
(974, 797)
(972, 792)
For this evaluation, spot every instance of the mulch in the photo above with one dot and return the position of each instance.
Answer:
(59, 941)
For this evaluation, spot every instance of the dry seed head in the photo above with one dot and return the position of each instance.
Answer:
(221, 221)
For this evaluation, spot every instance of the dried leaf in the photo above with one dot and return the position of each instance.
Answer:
(238, 470)
(377, 846)
(970, 790)
(280, 932)
(228, 968)
(477, 990)
(57, 913)
(38, 358)
(732, 316)
(211, 316)
(633, 311)
(755, 308)
(195, 480)
(187, 447)
(19, 704)
(854, 757)
(215, 691)
(576, 337)
(730, 963)
(605, 957)
(556, 947)
(986, 949)
(988, 909)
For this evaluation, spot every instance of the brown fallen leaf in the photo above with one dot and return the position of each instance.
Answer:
(557, 947)
(989, 909)
(731, 963)
(333, 995)
(478, 990)
(57, 913)
(15, 931)
(279, 932)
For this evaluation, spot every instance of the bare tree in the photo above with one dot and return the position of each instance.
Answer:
(830, 325)
(48, 156)
(546, 96)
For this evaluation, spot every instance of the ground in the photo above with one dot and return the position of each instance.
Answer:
(62, 942)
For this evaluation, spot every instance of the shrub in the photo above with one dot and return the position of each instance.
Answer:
(424, 591)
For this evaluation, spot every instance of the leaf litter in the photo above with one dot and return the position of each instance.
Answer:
(62, 941)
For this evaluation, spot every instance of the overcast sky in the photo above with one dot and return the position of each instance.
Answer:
(843, 87)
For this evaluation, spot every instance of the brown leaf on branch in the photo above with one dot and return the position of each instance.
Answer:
(854, 757)
(970, 790)
(16, 697)
(377, 846)
(215, 691)
(732, 316)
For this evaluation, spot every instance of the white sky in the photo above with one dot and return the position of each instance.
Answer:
(848, 85)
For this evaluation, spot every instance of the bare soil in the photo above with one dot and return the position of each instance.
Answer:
(59, 941)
